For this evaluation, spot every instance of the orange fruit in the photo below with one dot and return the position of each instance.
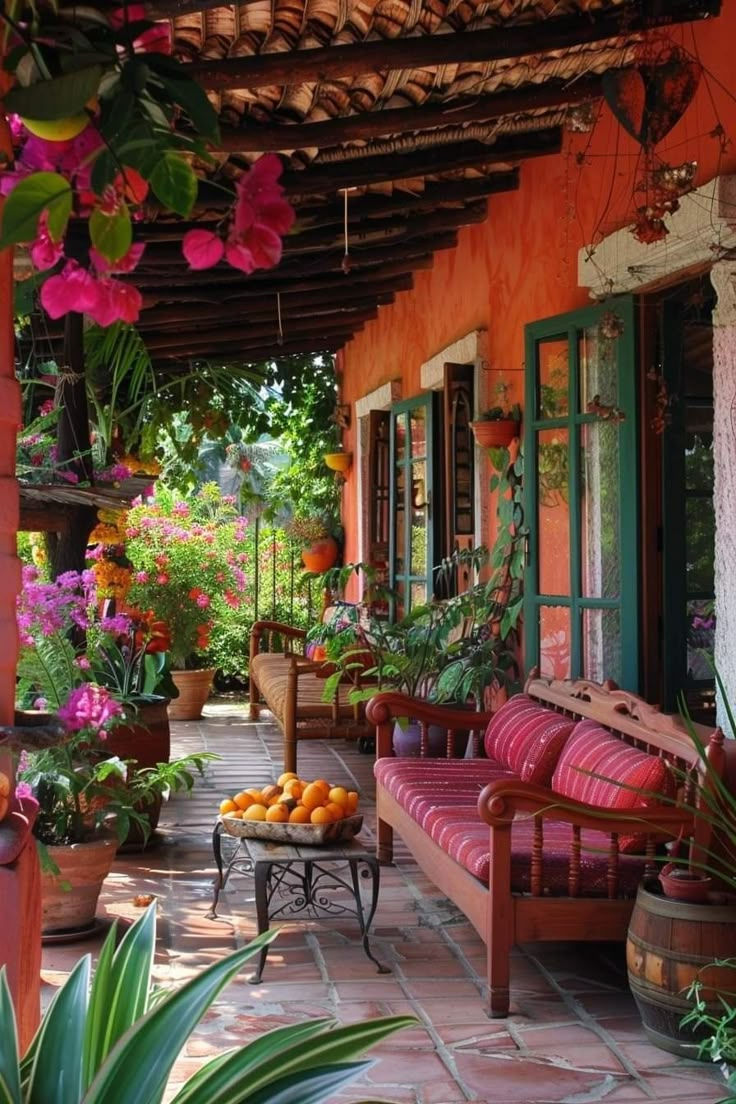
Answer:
(256, 794)
(313, 796)
(353, 798)
(4, 785)
(226, 806)
(270, 791)
(337, 812)
(295, 787)
(323, 784)
(287, 801)
(237, 815)
(339, 795)
(4, 806)
(277, 814)
(287, 776)
(243, 800)
(300, 815)
(320, 815)
(255, 812)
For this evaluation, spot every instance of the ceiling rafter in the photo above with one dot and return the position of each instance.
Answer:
(326, 63)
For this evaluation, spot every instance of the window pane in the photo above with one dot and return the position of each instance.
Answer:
(554, 642)
(701, 628)
(418, 425)
(418, 594)
(598, 365)
(699, 544)
(552, 379)
(602, 645)
(599, 510)
(401, 437)
(553, 514)
(699, 455)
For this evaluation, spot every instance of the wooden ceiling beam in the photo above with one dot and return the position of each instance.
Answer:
(258, 137)
(321, 177)
(326, 63)
(327, 261)
(177, 362)
(247, 332)
(378, 232)
(290, 301)
(337, 280)
(265, 310)
(263, 348)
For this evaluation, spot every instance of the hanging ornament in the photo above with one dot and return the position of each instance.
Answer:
(346, 257)
(648, 99)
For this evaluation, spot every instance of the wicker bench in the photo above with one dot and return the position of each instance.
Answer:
(523, 861)
(292, 687)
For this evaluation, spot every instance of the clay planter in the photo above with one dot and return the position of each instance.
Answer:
(670, 945)
(147, 738)
(194, 689)
(680, 885)
(84, 867)
(338, 461)
(495, 434)
(320, 556)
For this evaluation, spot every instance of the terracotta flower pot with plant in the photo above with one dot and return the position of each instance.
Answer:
(319, 548)
(497, 427)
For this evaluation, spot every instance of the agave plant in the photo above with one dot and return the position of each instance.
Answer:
(106, 1041)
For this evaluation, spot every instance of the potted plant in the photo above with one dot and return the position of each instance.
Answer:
(685, 924)
(87, 800)
(497, 426)
(313, 532)
(115, 1037)
(188, 562)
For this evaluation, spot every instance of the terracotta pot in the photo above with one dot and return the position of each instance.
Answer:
(338, 461)
(321, 555)
(670, 945)
(680, 885)
(194, 689)
(498, 434)
(147, 738)
(84, 866)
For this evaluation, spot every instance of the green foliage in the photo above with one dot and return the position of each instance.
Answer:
(108, 1042)
(39, 192)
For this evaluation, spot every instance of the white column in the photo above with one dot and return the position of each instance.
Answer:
(723, 278)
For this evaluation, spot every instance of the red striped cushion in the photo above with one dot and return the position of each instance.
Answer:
(601, 769)
(527, 738)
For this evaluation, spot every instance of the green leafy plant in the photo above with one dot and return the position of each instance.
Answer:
(105, 1040)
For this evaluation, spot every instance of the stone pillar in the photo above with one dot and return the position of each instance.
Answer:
(20, 913)
(723, 278)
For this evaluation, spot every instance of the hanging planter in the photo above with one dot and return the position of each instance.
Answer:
(321, 555)
(498, 433)
(339, 461)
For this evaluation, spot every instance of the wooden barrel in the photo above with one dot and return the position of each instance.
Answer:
(670, 945)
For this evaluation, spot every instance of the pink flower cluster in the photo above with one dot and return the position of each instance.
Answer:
(260, 217)
(95, 293)
(44, 609)
(89, 706)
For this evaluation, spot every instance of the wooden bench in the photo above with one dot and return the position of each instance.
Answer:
(529, 864)
(293, 687)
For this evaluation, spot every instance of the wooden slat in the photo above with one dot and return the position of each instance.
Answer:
(257, 353)
(248, 334)
(267, 312)
(381, 168)
(253, 137)
(327, 63)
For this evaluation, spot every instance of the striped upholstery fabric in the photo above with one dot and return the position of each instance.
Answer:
(442, 797)
(527, 738)
(598, 768)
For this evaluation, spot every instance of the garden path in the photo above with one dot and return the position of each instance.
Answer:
(573, 1037)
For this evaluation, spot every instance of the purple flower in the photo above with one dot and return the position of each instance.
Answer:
(23, 790)
(40, 703)
(89, 706)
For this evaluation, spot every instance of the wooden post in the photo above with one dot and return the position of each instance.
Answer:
(20, 903)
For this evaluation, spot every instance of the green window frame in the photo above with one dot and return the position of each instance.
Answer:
(410, 567)
(572, 435)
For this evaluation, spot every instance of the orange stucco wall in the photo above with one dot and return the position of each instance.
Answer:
(521, 264)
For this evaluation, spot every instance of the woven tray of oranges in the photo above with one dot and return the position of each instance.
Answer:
(292, 810)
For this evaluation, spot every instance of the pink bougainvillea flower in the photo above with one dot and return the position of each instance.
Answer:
(131, 185)
(89, 706)
(73, 289)
(202, 248)
(117, 302)
(128, 263)
(239, 257)
(44, 251)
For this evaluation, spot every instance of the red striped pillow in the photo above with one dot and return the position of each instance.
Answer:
(527, 738)
(601, 769)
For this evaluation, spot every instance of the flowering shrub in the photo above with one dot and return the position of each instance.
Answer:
(188, 562)
(93, 115)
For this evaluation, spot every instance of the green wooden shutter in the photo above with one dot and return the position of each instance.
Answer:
(581, 586)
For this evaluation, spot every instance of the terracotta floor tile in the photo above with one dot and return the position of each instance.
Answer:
(545, 1053)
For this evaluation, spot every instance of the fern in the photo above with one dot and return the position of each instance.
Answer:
(47, 670)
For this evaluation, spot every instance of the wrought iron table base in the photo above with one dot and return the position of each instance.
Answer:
(292, 881)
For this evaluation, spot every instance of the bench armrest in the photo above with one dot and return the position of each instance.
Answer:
(500, 801)
(384, 709)
(260, 627)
